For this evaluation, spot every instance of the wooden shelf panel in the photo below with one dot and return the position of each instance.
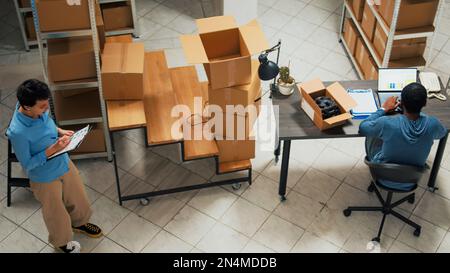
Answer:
(159, 99)
(227, 167)
(125, 114)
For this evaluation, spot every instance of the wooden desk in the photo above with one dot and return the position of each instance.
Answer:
(294, 124)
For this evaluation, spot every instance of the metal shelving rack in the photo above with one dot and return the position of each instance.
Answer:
(20, 16)
(133, 30)
(80, 84)
(392, 34)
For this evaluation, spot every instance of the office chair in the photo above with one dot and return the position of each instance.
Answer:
(13, 181)
(395, 173)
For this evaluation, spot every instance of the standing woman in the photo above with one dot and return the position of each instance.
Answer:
(55, 182)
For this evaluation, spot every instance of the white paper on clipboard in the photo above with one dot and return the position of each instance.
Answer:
(75, 141)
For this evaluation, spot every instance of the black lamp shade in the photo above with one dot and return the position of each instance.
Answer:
(267, 70)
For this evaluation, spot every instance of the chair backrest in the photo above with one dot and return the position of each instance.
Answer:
(398, 173)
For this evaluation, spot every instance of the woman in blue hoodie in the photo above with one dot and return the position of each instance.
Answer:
(55, 182)
(403, 139)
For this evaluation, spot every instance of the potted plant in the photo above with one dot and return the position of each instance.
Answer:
(286, 82)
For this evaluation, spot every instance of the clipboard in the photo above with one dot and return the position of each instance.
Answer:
(66, 150)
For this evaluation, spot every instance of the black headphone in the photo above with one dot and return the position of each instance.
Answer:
(328, 107)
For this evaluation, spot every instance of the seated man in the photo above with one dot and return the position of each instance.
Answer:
(56, 182)
(402, 139)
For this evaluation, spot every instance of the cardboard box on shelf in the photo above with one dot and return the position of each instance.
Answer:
(361, 53)
(350, 35)
(71, 59)
(100, 26)
(401, 49)
(74, 92)
(370, 69)
(79, 105)
(358, 8)
(237, 95)
(117, 16)
(224, 49)
(412, 13)
(24, 3)
(29, 23)
(315, 88)
(94, 141)
(127, 38)
(122, 71)
(235, 150)
(368, 22)
(60, 16)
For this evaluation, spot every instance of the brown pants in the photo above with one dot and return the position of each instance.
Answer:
(64, 204)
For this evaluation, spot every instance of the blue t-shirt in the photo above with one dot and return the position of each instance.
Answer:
(30, 138)
(405, 141)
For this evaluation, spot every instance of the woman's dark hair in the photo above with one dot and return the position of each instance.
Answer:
(30, 91)
(414, 97)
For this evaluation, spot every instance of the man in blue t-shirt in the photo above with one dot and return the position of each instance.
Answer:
(55, 182)
(403, 139)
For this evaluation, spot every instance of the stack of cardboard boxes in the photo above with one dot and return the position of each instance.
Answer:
(72, 59)
(413, 15)
(225, 51)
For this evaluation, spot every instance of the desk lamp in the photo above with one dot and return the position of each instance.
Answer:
(269, 70)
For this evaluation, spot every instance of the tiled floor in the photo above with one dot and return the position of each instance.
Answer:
(325, 175)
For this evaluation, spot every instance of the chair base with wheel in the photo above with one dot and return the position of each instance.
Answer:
(391, 172)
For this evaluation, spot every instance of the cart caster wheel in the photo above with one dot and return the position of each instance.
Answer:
(412, 200)
(144, 201)
(417, 232)
(371, 188)
(282, 198)
(236, 186)
(347, 212)
(376, 239)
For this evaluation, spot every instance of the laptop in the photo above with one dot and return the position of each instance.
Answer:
(392, 80)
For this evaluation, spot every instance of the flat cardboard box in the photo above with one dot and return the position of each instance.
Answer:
(54, 15)
(94, 141)
(350, 35)
(117, 16)
(315, 88)
(237, 95)
(368, 22)
(71, 59)
(122, 71)
(401, 49)
(224, 49)
(358, 8)
(412, 14)
(235, 150)
(29, 23)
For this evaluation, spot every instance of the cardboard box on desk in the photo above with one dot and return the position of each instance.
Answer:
(315, 88)
(237, 95)
(71, 59)
(412, 14)
(117, 16)
(224, 49)
(58, 15)
(123, 71)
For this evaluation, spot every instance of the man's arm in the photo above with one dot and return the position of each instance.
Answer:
(22, 150)
(373, 126)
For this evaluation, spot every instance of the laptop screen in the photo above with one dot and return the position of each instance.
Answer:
(394, 79)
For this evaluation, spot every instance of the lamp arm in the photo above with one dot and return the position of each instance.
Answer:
(275, 47)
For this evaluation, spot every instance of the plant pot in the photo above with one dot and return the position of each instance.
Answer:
(286, 88)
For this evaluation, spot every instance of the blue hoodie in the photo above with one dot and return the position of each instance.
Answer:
(30, 138)
(405, 141)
